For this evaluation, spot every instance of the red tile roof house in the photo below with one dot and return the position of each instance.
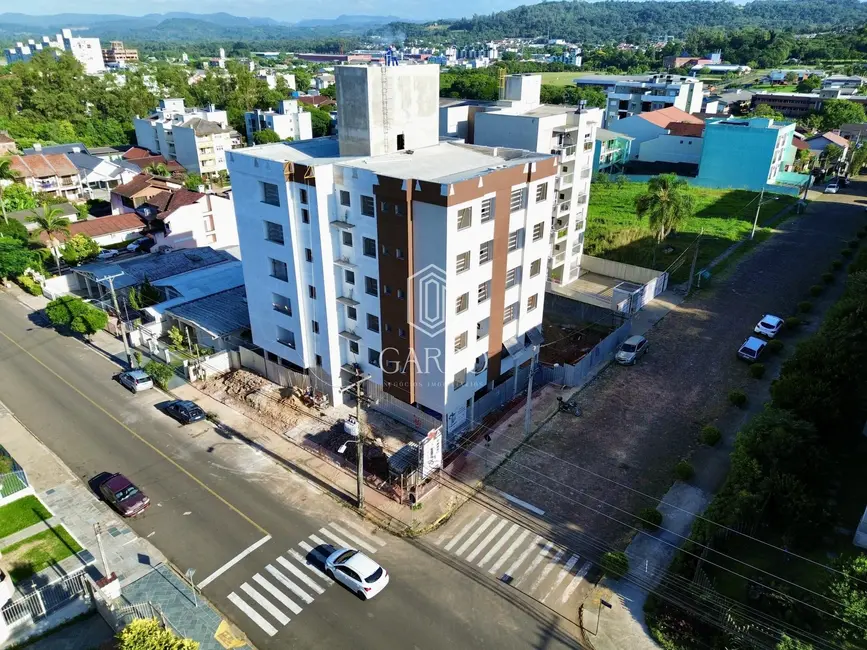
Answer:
(49, 173)
(105, 230)
(180, 218)
(668, 135)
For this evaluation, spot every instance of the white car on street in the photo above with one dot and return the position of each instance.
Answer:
(356, 572)
(107, 254)
(832, 187)
(769, 326)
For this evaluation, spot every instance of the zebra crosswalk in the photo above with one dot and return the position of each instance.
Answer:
(539, 567)
(271, 597)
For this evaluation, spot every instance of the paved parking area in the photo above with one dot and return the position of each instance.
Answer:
(639, 421)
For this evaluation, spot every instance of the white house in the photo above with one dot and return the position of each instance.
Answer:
(668, 135)
(288, 121)
(184, 219)
(99, 175)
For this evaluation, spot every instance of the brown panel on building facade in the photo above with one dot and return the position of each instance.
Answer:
(394, 233)
(298, 173)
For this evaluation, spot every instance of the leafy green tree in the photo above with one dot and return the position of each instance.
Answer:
(320, 121)
(148, 634)
(176, 336)
(809, 84)
(788, 643)
(667, 204)
(763, 110)
(265, 136)
(157, 169)
(303, 78)
(79, 248)
(14, 257)
(89, 322)
(832, 154)
(836, 112)
(62, 311)
(83, 211)
(790, 78)
(53, 224)
(14, 229)
(193, 182)
(18, 197)
(7, 173)
(331, 91)
(160, 372)
(850, 590)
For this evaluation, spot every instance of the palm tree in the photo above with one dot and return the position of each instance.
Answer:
(7, 173)
(52, 222)
(667, 203)
(157, 169)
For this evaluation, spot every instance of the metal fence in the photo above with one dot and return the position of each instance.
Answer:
(576, 374)
(400, 411)
(47, 599)
(12, 482)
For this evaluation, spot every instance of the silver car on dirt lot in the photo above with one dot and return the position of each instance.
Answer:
(631, 350)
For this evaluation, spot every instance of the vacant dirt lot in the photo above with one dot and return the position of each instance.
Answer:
(639, 421)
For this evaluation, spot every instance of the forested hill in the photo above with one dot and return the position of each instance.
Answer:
(610, 20)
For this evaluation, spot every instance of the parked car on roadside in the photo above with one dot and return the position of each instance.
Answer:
(141, 244)
(107, 254)
(136, 380)
(833, 187)
(752, 349)
(631, 350)
(356, 572)
(769, 326)
(120, 493)
(185, 411)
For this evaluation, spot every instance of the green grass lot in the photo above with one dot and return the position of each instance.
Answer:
(771, 88)
(20, 514)
(38, 552)
(615, 232)
(562, 78)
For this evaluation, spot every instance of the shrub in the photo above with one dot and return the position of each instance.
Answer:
(775, 345)
(684, 470)
(793, 322)
(160, 372)
(149, 634)
(138, 358)
(615, 564)
(816, 290)
(738, 398)
(651, 518)
(176, 337)
(805, 306)
(757, 370)
(29, 285)
(836, 265)
(827, 278)
(710, 435)
(846, 252)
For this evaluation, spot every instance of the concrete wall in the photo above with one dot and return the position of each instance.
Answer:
(62, 285)
(189, 228)
(628, 272)
(186, 149)
(145, 135)
(671, 149)
(638, 128)
(501, 130)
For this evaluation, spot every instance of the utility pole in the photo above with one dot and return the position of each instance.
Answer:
(758, 208)
(694, 262)
(120, 320)
(528, 407)
(358, 385)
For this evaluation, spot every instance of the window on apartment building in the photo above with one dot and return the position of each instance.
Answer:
(347, 238)
(373, 323)
(369, 246)
(484, 291)
(373, 357)
(348, 276)
(462, 303)
(516, 239)
(518, 200)
(535, 268)
(209, 222)
(318, 361)
(401, 332)
(398, 253)
(513, 277)
(305, 215)
(460, 378)
(274, 232)
(303, 196)
(461, 341)
(279, 270)
(576, 246)
(579, 224)
(401, 295)
(386, 289)
(510, 313)
(281, 304)
(314, 325)
(384, 250)
(311, 291)
(211, 238)
(270, 193)
(486, 252)
(533, 302)
(538, 231)
(371, 287)
(353, 347)
(367, 206)
(541, 192)
(351, 313)
(463, 262)
(487, 212)
(344, 198)
(465, 218)
(387, 327)
(285, 337)
(308, 254)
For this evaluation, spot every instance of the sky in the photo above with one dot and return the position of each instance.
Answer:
(289, 10)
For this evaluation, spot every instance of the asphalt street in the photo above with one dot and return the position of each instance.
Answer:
(209, 511)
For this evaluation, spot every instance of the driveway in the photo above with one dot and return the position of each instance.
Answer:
(639, 421)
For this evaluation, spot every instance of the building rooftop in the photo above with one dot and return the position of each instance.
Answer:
(170, 200)
(24, 216)
(837, 139)
(129, 221)
(71, 147)
(606, 134)
(665, 116)
(219, 314)
(43, 165)
(752, 122)
(205, 127)
(686, 129)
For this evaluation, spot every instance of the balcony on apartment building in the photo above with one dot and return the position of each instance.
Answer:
(564, 181)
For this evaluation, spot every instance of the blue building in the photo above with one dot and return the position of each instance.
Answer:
(611, 152)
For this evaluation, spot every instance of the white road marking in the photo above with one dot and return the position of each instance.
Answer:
(367, 534)
(228, 565)
(487, 540)
(294, 588)
(319, 542)
(496, 547)
(565, 571)
(523, 556)
(187, 513)
(505, 556)
(536, 560)
(548, 568)
(298, 573)
(523, 504)
(265, 604)
(572, 586)
(252, 614)
(341, 543)
(279, 595)
(354, 538)
(304, 562)
(472, 538)
(460, 534)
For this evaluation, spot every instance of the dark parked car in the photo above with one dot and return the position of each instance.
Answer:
(123, 496)
(185, 411)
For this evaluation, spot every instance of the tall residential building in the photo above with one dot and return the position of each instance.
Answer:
(117, 56)
(520, 121)
(196, 138)
(629, 98)
(416, 262)
(87, 51)
(288, 121)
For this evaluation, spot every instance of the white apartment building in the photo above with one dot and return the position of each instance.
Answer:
(87, 51)
(629, 98)
(520, 121)
(417, 262)
(196, 138)
(288, 121)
